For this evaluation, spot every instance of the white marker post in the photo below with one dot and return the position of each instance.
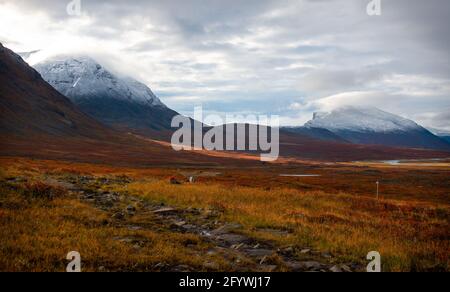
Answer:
(378, 190)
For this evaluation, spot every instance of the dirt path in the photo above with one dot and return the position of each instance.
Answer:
(241, 252)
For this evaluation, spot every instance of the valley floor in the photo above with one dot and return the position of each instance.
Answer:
(316, 217)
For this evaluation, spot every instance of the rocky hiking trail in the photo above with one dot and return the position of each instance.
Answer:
(241, 252)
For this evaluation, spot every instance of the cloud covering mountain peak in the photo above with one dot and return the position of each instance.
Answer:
(81, 77)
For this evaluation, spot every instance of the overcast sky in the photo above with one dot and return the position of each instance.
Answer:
(283, 57)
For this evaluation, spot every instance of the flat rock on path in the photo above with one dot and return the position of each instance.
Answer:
(259, 253)
(232, 239)
(165, 210)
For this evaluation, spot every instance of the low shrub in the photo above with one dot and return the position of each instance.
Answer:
(40, 190)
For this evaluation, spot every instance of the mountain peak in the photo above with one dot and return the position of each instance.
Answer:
(370, 125)
(361, 119)
(81, 77)
(30, 106)
(120, 102)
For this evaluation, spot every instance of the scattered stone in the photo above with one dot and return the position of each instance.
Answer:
(232, 239)
(180, 224)
(305, 251)
(159, 265)
(237, 246)
(205, 233)
(108, 203)
(346, 269)
(182, 269)
(164, 210)
(131, 208)
(326, 255)
(288, 251)
(101, 269)
(189, 227)
(312, 265)
(295, 266)
(118, 216)
(176, 228)
(211, 266)
(336, 269)
(211, 252)
(269, 268)
(259, 253)
(125, 240)
(227, 228)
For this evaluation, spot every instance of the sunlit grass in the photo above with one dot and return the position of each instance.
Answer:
(409, 236)
(37, 234)
(411, 232)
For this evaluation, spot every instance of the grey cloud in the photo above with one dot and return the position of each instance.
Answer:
(267, 54)
(442, 120)
(338, 81)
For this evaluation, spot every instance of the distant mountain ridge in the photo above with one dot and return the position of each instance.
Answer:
(39, 122)
(120, 102)
(372, 126)
(361, 119)
(317, 133)
(28, 104)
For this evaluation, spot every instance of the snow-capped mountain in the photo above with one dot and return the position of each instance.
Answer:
(30, 107)
(374, 126)
(83, 78)
(361, 120)
(117, 101)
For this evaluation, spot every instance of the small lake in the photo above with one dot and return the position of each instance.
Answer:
(398, 162)
(392, 162)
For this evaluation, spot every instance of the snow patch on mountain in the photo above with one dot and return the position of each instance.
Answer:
(361, 120)
(83, 78)
(439, 132)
